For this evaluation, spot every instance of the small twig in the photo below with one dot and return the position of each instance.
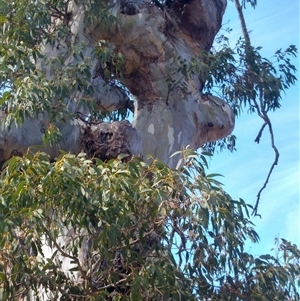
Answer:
(182, 246)
(65, 254)
(257, 139)
(171, 89)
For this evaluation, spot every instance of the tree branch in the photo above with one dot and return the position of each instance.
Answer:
(275, 162)
(260, 109)
(257, 139)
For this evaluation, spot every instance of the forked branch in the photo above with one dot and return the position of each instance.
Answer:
(260, 108)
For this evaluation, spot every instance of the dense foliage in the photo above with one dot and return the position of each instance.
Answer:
(153, 234)
(131, 230)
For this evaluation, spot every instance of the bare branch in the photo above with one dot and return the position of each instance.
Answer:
(275, 162)
(257, 139)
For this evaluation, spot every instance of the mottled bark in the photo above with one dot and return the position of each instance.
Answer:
(170, 111)
(167, 117)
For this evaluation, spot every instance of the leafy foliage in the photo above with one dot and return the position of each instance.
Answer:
(129, 231)
(153, 234)
(25, 91)
(226, 71)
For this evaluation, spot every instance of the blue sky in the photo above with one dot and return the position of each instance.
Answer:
(273, 25)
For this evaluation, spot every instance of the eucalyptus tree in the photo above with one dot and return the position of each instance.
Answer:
(94, 207)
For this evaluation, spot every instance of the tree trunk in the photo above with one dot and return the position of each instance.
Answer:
(170, 111)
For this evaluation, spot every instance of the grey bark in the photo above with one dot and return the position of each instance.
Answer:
(166, 119)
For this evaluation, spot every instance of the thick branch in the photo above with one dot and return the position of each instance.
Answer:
(104, 140)
(170, 112)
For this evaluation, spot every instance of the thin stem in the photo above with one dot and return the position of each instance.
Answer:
(260, 109)
(243, 22)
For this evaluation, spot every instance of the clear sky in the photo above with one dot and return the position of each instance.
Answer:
(273, 25)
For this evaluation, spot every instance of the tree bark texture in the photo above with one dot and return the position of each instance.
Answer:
(170, 112)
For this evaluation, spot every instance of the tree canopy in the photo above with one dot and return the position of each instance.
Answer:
(103, 194)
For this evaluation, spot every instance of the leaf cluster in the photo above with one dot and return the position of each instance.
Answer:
(130, 231)
(246, 80)
(126, 231)
(30, 81)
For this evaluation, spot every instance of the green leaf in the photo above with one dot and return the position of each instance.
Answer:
(3, 19)
(2, 277)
